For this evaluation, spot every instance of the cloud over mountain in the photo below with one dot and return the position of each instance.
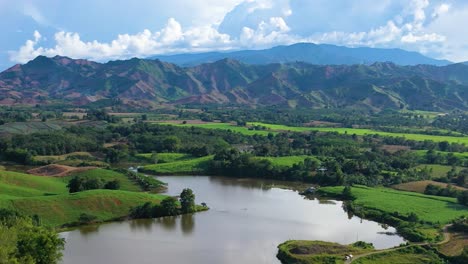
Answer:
(419, 25)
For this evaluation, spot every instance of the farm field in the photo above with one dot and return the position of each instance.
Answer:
(434, 209)
(273, 128)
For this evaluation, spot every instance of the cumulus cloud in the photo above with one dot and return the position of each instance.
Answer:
(172, 38)
(421, 25)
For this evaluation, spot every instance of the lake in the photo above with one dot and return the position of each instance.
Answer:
(246, 222)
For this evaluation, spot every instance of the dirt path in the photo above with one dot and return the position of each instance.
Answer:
(445, 240)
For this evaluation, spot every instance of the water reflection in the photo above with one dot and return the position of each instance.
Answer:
(141, 224)
(187, 223)
(168, 222)
(89, 230)
(246, 221)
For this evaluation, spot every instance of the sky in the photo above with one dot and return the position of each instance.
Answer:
(103, 30)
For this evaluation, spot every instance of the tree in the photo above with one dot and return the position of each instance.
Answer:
(169, 206)
(112, 185)
(347, 193)
(187, 201)
(75, 184)
(463, 198)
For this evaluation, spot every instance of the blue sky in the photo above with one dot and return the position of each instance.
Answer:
(110, 29)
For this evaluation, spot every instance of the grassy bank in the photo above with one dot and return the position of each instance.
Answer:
(316, 252)
(432, 209)
(48, 197)
(319, 252)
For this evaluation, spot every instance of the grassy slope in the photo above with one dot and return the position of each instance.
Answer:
(48, 197)
(57, 210)
(190, 166)
(428, 208)
(19, 184)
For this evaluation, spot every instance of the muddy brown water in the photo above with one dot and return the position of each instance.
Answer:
(246, 222)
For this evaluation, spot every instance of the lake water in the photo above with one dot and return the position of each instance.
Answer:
(246, 222)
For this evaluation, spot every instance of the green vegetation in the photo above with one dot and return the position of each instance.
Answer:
(433, 209)
(125, 183)
(437, 171)
(24, 240)
(165, 157)
(413, 255)
(287, 161)
(318, 252)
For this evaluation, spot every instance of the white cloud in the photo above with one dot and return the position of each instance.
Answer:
(171, 38)
(441, 9)
(420, 25)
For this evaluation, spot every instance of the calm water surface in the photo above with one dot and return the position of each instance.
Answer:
(246, 222)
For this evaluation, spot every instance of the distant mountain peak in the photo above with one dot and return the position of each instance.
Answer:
(322, 54)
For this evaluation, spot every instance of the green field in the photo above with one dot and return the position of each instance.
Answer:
(167, 157)
(190, 166)
(48, 198)
(272, 128)
(434, 209)
(225, 126)
(437, 170)
(461, 155)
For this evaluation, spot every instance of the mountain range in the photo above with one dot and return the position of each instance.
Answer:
(154, 83)
(322, 54)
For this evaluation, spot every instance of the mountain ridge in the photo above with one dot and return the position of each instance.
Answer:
(323, 54)
(154, 83)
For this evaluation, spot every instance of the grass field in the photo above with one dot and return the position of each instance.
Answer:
(188, 166)
(432, 209)
(438, 170)
(461, 155)
(48, 197)
(420, 186)
(57, 210)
